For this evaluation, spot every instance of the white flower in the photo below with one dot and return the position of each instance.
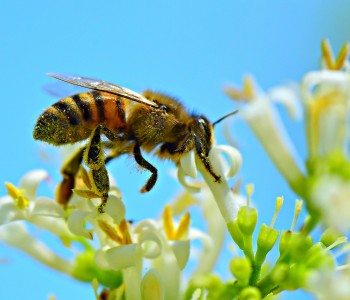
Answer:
(23, 204)
(164, 245)
(264, 120)
(190, 163)
(86, 210)
(331, 196)
(326, 96)
(330, 284)
(16, 235)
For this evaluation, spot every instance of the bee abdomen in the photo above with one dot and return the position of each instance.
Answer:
(66, 121)
(72, 119)
(69, 109)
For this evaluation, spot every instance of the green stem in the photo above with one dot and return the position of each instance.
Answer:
(248, 247)
(267, 285)
(259, 260)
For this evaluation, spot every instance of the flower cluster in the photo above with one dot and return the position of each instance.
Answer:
(323, 98)
(168, 257)
(120, 258)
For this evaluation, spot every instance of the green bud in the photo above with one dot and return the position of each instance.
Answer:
(86, 270)
(280, 272)
(241, 268)
(300, 244)
(236, 233)
(250, 293)
(247, 218)
(296, 278)
(318, 256)
(285, 240)
(293, 246)
(266, 240)
(330, 236)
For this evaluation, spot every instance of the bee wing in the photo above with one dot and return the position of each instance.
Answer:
(100, 85)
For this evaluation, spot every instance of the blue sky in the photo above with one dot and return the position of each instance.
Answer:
(188, 49)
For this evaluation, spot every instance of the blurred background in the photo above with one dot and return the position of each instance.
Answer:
(188, 49)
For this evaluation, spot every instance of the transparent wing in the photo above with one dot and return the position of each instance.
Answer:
(100, 85)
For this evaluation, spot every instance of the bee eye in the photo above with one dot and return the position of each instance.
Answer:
(163, 107)
(202, 122)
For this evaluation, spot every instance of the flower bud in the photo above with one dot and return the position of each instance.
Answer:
(250, 293)
(266, 240)
(247, 218)
(280, 272)
(285, 240)
(318, 256)
(330, 236)
(236, 233)
(293, 246)
(86, 270)
(241, 268)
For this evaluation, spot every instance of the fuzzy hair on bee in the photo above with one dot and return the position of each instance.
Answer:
(131, 122)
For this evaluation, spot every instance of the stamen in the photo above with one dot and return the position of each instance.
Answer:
(183, 228)
(248, 87)
(298, 207)
(124, 229)
(327, 54)
(111, 232)
(168, 222)
(12, 190)
(339, 241)
(279, 203)
(341, 59)
(249, 190)
(17, 195)
(247, 93)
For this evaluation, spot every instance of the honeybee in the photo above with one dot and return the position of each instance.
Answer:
(130, 122)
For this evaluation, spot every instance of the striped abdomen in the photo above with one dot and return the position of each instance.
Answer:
(72, 119)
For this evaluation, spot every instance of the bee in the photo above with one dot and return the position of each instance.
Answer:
(130, 122)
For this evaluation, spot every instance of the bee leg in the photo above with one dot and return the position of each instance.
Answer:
(119, 149)
(146, 165)
(174, 148)
(94, 159)
(204, 158)
(100, 185)
(69, 171)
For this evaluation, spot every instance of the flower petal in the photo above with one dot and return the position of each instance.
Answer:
(44, 206)
(30, 182)
(150, 243)
(76, 223)
(152, 286)
(235, 158)
(16, 235)
(115, 208)
(188, 164)
(289, 98)
(313, 79)
(9, 211)
(191, 188)
(181, 251)
(120, 257)
(221, 190)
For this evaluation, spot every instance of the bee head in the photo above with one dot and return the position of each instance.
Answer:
(204, 132)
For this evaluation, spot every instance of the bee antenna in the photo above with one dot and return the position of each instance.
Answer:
(224, 117)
